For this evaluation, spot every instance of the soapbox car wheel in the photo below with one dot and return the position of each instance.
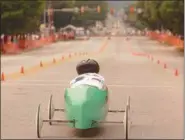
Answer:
(39, 121)
(128, 103)
(51, 109)
(126, 119)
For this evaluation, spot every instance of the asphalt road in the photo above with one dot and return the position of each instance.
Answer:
(10, 63)
(156, 94)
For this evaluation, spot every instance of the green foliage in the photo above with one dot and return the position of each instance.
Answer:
(162, 14)
(21, 16)
(86, 17)
(78, 19)
(63, 4)
(25, 16)
(61, 19)
(173, 12)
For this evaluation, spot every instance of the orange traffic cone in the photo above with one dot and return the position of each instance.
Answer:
(54, 61)
(2, 77)
(22, 70)
(41, 64)
(62, 57)
(69, 55)
(176, 72)
(165, 66)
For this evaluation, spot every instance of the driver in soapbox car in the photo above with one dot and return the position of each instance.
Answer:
(86, 99)
(88, 75)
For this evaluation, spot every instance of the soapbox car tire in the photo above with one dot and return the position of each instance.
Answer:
(51, 109)
(128, 103)
(126, 119)
(126, 123)
(39, 121)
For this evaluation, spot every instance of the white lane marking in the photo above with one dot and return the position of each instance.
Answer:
(66, 84)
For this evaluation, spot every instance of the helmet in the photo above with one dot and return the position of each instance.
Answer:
(88, 66)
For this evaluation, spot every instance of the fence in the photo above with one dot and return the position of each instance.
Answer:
(14, 44)
(18, 43)
(167, 39)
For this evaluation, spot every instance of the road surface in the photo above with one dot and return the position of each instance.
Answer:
(156, 94)
(10, 63)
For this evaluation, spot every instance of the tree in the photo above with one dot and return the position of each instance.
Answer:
(162, 14)
(78, 19)
(21, 16)
(173, 11)
(62, 19)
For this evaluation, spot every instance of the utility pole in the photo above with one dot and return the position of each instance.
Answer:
(45, 13)
(50, 15)
(46, 17)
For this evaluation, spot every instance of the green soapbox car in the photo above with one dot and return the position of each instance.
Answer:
(85, 107)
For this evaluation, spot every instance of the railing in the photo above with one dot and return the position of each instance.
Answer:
(12, 44)
(167, 39)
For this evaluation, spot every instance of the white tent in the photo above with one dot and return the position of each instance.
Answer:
(69, 27)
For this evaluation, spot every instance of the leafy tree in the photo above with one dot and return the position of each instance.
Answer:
(172, 13)
(79, 19)
(161, 14)
(61, 19)
(25, 16)
(21, 16)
